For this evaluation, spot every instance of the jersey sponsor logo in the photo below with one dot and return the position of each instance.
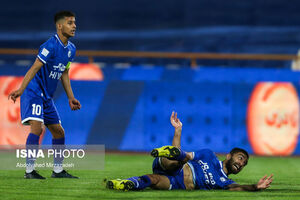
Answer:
(55, 75)
(58, 69)
(69, 54)
(209, 178)
(45, 52)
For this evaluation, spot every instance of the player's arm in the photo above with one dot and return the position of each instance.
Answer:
(262, 184)
(27, 78)
(176, 123)
(65, 80)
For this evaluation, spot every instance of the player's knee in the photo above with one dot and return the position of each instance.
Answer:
(57, 131)
(36, 127)
(60, 132)
(154, 178)
(159, 182)
(37, 131)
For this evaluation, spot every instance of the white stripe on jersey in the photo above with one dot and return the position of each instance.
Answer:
(61, 41)
(221, 164)
(41, 59)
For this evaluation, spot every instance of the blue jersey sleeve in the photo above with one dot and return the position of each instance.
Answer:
(46, 51)
(203, 153)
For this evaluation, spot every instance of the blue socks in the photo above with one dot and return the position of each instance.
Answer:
(60, 141)
(140, 182)
(182, 156)
(58, 146)
(32, 143)
(32, 139)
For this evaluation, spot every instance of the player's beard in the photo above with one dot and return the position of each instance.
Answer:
(230, 168)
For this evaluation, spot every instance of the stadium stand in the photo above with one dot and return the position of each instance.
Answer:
(212, 98)
(185, 26)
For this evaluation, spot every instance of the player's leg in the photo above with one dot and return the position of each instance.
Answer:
(32, 143)
(165, 166)
(155, 181)
(159, 182)
(171, 158)
(52, 121)
(170, 165)
(32, 114)
(58, 145)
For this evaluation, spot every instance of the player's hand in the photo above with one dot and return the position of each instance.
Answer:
(14, 95)
(74, 104)
(264, 182)
(176, 123)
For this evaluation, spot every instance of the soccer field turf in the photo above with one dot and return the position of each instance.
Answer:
(286, 184)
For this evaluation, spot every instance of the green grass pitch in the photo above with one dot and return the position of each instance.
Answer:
(286, 184)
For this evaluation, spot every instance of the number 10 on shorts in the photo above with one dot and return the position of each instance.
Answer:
(36, 109)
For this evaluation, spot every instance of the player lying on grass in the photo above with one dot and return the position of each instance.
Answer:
(175, 169)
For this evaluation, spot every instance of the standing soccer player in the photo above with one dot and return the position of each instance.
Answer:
(36, 91)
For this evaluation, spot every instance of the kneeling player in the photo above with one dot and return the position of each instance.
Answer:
(176, 169)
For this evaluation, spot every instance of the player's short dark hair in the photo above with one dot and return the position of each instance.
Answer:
(238, 150)
(62, 14)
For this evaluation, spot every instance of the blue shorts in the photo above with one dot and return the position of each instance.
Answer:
(175, 177)
(35, 107)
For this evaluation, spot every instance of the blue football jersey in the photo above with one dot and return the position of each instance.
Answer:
(56, 57)
(208, 171)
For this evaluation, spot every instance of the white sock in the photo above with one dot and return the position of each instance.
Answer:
(57, 168)
(29, 167)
